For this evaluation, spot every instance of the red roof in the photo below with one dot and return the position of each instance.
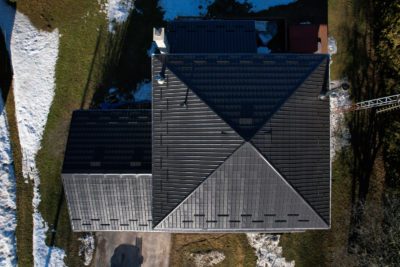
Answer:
(303, 38)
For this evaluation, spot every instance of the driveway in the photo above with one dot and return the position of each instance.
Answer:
(122, 248)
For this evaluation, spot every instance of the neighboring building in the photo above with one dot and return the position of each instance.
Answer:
(238, 141)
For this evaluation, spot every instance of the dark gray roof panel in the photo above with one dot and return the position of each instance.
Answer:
(109, 141)
(244, 193)
(111, 202)
(211, 36)
(244, 90)
(296, 141)
(189, 142)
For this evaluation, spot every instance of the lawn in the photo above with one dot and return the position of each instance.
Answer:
(235, 247)
(358, 174)
(80, 25)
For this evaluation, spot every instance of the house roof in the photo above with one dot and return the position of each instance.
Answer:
(109, 141)
(211, 36)
(215, 113)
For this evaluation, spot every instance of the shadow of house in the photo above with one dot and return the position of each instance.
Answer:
(126, 256)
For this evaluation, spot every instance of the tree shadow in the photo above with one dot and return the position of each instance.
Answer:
(366, 126)
(127, 63)
(6, 72)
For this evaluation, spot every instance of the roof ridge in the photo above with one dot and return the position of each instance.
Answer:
(213, 110)
(245, 144)
(191, 193)
(290, 95)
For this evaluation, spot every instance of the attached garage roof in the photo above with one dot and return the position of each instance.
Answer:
(109, 141)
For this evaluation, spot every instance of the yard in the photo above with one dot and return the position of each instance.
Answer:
(91, 60)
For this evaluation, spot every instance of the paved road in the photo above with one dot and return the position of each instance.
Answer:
(155, 248)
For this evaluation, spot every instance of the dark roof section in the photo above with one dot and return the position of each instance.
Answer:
(244, 90)
(211, 36)
(109, 141)
(245, 192)
(303, 38)
(189, 142)
(296, 141)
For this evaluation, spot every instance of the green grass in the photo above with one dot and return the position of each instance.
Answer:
(320, 248)
(24, 230)
(79, 35)
(235, 247)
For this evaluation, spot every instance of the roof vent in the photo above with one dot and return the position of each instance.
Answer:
(160, 38)
(160, 78)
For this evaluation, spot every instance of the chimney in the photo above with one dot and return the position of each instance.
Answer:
(160, 38)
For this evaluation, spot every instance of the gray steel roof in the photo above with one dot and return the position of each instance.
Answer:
(109, 141)
(209, 107)
(101, 202)
(211, 36)
(245, 192)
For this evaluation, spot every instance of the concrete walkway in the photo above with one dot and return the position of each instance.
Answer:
(154, 247)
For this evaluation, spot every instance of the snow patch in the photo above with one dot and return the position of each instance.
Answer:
(207, 259)
(7, 14)
(87, 248)
(8, 220)
(340, 133)
(195, 8)
(34, 55)
(143, 92)
(117, 11)
(259, 5)
(152, 50)
(176, 8)
(268, 251)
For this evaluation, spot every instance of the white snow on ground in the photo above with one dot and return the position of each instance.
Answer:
(8, 220)
(268, 251)
(151, 51)
(34, 54)
(175, 8)
(87, 248)
(340, 134)
(117, 11)
(143, 92)
(7, 14)
(259, 5)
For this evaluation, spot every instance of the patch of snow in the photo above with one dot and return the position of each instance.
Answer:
(195, 8)
(87, 248)
(8, 219)
(34, 54)
(143, 92)
(152, 50)
(268, 251)
(7, 14)
(259, 5)
(263, 50)
(340, 134)
(332, 46)
(207, 259)
(117, 11)
(176, 8)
